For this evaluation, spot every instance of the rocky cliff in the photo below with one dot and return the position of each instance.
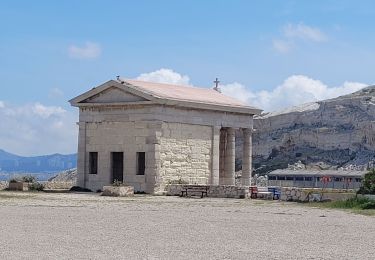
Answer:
(333, 133)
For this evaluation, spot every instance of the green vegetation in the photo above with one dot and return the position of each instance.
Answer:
(25, 178)
(33, 184)
(353, 203)
(359, 205)
(28, 179)
(117, 183)
(368, 183)
(36, 186)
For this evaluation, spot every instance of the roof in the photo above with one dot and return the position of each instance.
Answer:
(161, 93)
(288, 172)
(186, 93)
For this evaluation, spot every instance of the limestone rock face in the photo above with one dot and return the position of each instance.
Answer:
(335, 133)
(65, 176)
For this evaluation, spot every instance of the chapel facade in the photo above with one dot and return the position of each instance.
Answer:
(150, 134)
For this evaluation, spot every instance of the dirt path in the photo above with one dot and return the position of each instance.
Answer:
(87, 226)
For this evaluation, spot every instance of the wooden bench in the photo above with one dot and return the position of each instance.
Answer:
(202, 189)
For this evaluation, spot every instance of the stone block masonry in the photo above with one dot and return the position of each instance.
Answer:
(127, 137)
(185, 153)
(314, 194)
(214, 191)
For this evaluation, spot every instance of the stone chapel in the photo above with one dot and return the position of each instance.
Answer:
(148, 134)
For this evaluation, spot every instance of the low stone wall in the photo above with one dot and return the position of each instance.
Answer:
(48, 185)
(18, 186)
(312, 194)
(3, 185)
(118, 191)
(370, 196)
(58, 185)
(214, 191)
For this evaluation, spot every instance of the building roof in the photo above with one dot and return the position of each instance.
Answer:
(186, 93)
(177, 95)
(288, 172)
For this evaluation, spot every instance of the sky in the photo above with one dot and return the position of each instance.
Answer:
(269, 54)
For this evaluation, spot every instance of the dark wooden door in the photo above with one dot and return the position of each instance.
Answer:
(117, 166)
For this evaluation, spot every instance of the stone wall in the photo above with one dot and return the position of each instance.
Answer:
(166, 114)
(3, 185)
(369, 196)
(214, 191)
(316, 184)
(126, 137)
(48, 185)
(185, 153)
(310, 195)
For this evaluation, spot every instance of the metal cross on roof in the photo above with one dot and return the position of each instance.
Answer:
(217, 85)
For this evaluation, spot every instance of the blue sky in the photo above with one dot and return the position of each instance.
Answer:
(272, 54)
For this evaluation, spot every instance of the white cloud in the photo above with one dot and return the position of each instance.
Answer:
(90, 50)
(33, 129)
(165, 76)
(46, 112)
(292, 34)
(303, 31)
(282, 46)
(2, 105)
(295, 90)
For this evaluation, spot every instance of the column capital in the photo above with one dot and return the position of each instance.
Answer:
(248, 130)
(231, 131)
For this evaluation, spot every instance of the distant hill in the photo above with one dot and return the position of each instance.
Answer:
(11, 163)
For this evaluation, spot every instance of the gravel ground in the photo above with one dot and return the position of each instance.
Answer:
(88, 226)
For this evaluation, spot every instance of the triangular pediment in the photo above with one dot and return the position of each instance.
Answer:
(113, 95)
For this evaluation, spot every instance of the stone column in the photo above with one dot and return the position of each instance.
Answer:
(246, 157)
(153, 181)
(215, 169)
(82, 161)
(230, 157)
(223, 138)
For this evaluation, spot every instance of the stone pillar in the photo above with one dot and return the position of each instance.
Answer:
(153, 180)
(246, 157)
(223, 138)
(215, 155)
(82, 161)
(230, 157)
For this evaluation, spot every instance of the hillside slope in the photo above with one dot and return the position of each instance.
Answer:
(65, 176)
(37, 164)
(332, 133)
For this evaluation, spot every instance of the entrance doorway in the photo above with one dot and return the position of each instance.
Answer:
(117, 166)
